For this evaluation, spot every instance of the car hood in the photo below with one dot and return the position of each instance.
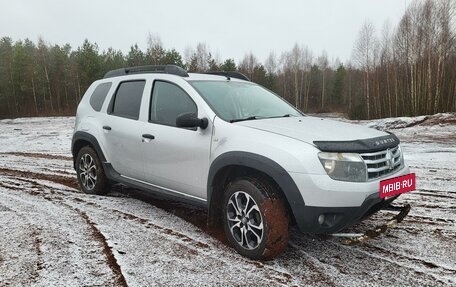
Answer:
(310, 129)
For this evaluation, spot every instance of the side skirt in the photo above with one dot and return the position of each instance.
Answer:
(163, 192)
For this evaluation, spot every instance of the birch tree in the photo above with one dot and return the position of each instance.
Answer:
(363, 54)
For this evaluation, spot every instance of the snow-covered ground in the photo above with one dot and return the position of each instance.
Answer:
(53, 235)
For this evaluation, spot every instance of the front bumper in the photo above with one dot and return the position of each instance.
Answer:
(338, 218)
(331, 205)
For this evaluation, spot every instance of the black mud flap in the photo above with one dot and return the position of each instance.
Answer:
(355, 238)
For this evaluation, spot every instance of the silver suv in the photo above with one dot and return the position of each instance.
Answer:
(255, 162)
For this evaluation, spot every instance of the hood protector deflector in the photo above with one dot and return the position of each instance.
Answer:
(359, 146)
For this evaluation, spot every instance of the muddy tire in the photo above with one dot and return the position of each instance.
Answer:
(255, 218)
(90, 173)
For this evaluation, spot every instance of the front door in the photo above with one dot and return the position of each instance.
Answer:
(175, 158)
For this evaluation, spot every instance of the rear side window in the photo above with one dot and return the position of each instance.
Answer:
(168, 102)
(127, 99)
(99, 95)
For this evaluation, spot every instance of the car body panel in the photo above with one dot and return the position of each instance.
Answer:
(309, 129)
(177, 164)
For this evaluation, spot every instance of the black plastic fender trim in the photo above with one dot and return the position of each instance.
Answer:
(262, 164)
(80, 135)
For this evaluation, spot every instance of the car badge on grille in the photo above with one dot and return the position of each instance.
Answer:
(389, 159)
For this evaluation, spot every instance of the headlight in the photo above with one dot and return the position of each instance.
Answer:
(344, 166)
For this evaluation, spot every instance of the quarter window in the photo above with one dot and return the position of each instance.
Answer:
(168, 102)
(127, 100)
(99, 95)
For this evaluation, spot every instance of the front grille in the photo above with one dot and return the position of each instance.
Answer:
(382, 163)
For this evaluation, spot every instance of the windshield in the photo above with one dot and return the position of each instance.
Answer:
(236, 101)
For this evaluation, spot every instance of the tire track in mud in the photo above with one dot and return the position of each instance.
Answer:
(390, 260)
(277, 276)
(146, 223)
(97, 235)
(431, 206)
(415, 230)
(417, 227)
(198, 219)
(427, 264)
(33, 188)
(35, 241)
(10, 186)
(432, 194)
(313, 266)
(194, 216)
(429, 219)
(166, 230)
(426, 269)
(35, 235)
(107, 251)
(67, 181)
(38, 155)
(38, 163)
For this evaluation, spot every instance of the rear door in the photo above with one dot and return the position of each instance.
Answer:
(122, 130)
(176, 158)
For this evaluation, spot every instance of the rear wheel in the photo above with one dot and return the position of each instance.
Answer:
(255, 218)
(89, 169)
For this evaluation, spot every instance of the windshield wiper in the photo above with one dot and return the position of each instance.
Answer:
(258, 117)
(245, 119)
(283, 116)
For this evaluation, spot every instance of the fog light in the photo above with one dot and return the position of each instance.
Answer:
(321, 219)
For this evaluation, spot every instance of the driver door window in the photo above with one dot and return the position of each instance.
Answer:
(168, 102)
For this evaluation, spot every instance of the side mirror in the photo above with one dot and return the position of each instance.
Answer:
(190, 120)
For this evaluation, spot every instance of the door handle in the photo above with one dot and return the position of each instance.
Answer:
(108, 128)
(148, 136)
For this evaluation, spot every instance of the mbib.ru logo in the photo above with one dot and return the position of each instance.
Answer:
(397, 185)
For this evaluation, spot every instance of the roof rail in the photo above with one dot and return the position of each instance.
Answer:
(165, 69)
(229, 74)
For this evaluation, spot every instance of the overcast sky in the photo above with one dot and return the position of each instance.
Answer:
(230, 28)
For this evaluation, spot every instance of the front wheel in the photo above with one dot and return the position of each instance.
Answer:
(89, 169)
(255, 218)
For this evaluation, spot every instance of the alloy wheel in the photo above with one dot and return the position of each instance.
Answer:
(244, 220)
(88, 172)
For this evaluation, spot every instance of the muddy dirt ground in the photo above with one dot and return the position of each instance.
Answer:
(53, 235)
